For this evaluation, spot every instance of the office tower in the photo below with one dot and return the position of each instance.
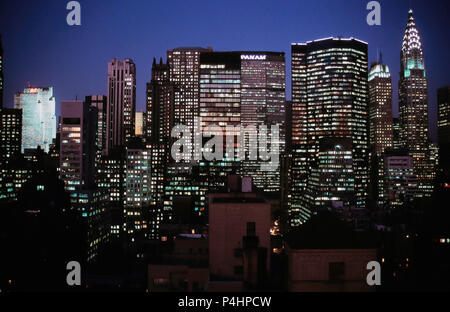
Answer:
(184, 69)
(333, 174)
(443, 96)
(239, 221)
(111, 180)
(298, 144)
(121, 105)
(137, 191)
(396, 141)
(413, 106)
(184, 195)
(99, 101)
(140, 124)
(329, 100)
(13, 174)
(78, 154)
(11, 134)
(220, 104)
(160, 104)
(78, 146)
(263, 104)
(160, 116)
(244, 90)
(381, 132)
(1, 73)
(380, 107)
(399, 178)
(38, 117)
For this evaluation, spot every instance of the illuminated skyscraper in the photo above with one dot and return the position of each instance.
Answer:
(243, 89)
(413, 106)
(139, 126)
(263, 103)
(184, 69)
(78, 145)
(381, 133)
(396, 141)
(329, 101)
(121, 105)
(11, 134)
(1, 73)
(138, 194)
(160, 116)
(38, 117)
(99, 101)
(443, 96)
(380, 107)
(78, 151)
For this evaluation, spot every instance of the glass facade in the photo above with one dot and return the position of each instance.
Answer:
(38, 117)
(329, 100)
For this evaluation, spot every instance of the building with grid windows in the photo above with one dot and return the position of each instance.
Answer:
(329, 100)
(38, 117)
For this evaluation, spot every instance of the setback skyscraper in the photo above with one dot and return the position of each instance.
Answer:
(121, 105)
(413, 106)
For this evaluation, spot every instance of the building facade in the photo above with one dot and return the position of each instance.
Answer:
(38, 117)
(329, 99)
(121, 103)
(413, 106)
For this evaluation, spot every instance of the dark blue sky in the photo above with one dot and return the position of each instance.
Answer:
(42, 49)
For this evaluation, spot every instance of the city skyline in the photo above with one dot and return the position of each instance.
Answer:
(65, 83)
(247, 168)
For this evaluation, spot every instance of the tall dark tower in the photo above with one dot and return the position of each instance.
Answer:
(1, 73)
(413, 106)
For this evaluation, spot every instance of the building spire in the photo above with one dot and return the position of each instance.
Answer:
(411, 39)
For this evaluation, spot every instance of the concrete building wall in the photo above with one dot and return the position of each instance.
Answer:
(227, 227)
(329, 270)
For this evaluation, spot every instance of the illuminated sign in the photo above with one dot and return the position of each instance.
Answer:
(253, 57)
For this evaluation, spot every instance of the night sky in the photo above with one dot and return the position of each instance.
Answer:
(40, 48)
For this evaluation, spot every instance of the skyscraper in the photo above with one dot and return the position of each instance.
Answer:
(11, 134)
(78, 155)
(1, 73)
(78, 145)
(244, 89)
(381, 132)
(413, 106)
(140, 124)
(263, 103)
(137, 191)
(38, 117)
(443, 95)
(329, 101)
(184, 69)
(396, 141)
(99, 101)
(121, 105)
(380, 107)
(160, 120)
